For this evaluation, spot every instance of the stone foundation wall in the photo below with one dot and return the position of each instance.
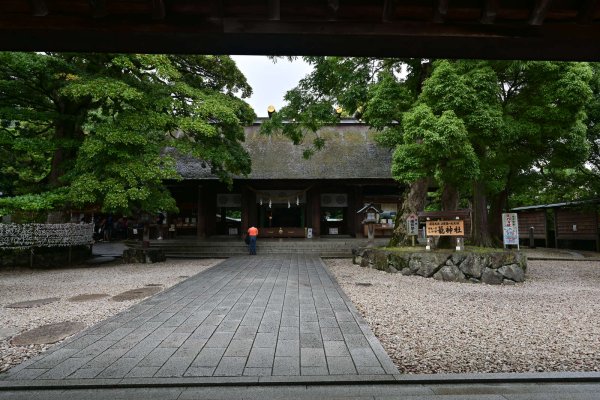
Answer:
(494, 268)
(44, 257)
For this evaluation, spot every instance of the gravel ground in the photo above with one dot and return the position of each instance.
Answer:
(29, 284)
(548, 323)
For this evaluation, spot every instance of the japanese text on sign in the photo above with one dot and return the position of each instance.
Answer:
(412, 225)
(510, 228)
(445, 228)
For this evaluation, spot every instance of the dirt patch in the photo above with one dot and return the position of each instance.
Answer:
(51, 333)
(88, 297)
(33, 303)
(137, 293)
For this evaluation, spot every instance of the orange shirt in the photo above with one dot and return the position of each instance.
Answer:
(252, 231)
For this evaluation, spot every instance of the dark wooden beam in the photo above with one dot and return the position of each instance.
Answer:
(538, 14)
(586, 12)
(440, 9)
(39, 8)
(98, 8)
(158, 9)
(333, 6)
(216, 9)
(388, 10)
(490, 10)
(274, 10)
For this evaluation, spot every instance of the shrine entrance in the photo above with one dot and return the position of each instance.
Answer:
(281, 213)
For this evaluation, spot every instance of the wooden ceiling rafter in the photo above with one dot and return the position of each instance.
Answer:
(440, 11)
(496, 29)
(216, 9)
(389, 6)
(158, 10)
(538, 14)
(39, 8)
(274, 10)
(333, 6)
(98, 8)
(490, 11)
(587, 11)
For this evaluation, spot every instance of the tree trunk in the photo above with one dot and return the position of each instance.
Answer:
(481, 232)
(56, 170)
(498, 205)
(413, 202)
(449, 200)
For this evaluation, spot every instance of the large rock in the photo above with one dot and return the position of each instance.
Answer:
(458, 258)
(513, 272)
(491, 276)
(427, 264)
(473, 265)
(450, 273)
(399, 260)
(380, 260)
(366, 258)
(500, 258)
(143, 256)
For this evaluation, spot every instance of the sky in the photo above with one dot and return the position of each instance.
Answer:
(270, 81)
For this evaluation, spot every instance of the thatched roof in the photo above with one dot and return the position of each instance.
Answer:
(350, 152)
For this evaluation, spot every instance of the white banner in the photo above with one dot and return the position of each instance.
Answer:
(510, 228)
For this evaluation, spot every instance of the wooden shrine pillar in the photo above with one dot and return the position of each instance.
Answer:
(359, 203)
(245, 224)
(351, 211)
(315, 207)
(201, 215)
(210, 209)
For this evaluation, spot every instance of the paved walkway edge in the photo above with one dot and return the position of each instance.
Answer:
(561, 259)
(550, 377)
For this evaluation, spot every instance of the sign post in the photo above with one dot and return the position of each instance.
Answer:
(412, 227)
(510, 229)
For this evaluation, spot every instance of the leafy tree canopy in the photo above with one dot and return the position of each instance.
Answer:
(82, 129)
(478, 127)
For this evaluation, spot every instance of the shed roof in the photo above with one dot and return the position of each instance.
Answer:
(350, 152)
(556, 205)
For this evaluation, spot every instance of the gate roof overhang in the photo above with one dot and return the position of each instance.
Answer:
(490, 29)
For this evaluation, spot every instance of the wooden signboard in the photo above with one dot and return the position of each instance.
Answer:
(455, 227)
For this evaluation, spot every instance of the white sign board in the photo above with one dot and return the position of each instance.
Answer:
(510, 228)
(412, 225)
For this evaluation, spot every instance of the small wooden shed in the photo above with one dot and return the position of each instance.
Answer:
(570, 225)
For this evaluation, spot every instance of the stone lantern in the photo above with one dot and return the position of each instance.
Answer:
(370, 218)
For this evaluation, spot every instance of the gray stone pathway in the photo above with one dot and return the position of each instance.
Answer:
(273, 318)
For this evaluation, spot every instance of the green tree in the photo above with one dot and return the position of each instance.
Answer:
(478, 128)
(80, 129)
(377, 91)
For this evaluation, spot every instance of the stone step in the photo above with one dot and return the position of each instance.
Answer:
(224, 248)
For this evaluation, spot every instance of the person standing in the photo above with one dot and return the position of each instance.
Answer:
(252, 233)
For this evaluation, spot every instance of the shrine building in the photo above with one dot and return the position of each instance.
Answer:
(287, 195)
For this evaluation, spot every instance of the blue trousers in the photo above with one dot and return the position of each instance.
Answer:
(253, 245)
